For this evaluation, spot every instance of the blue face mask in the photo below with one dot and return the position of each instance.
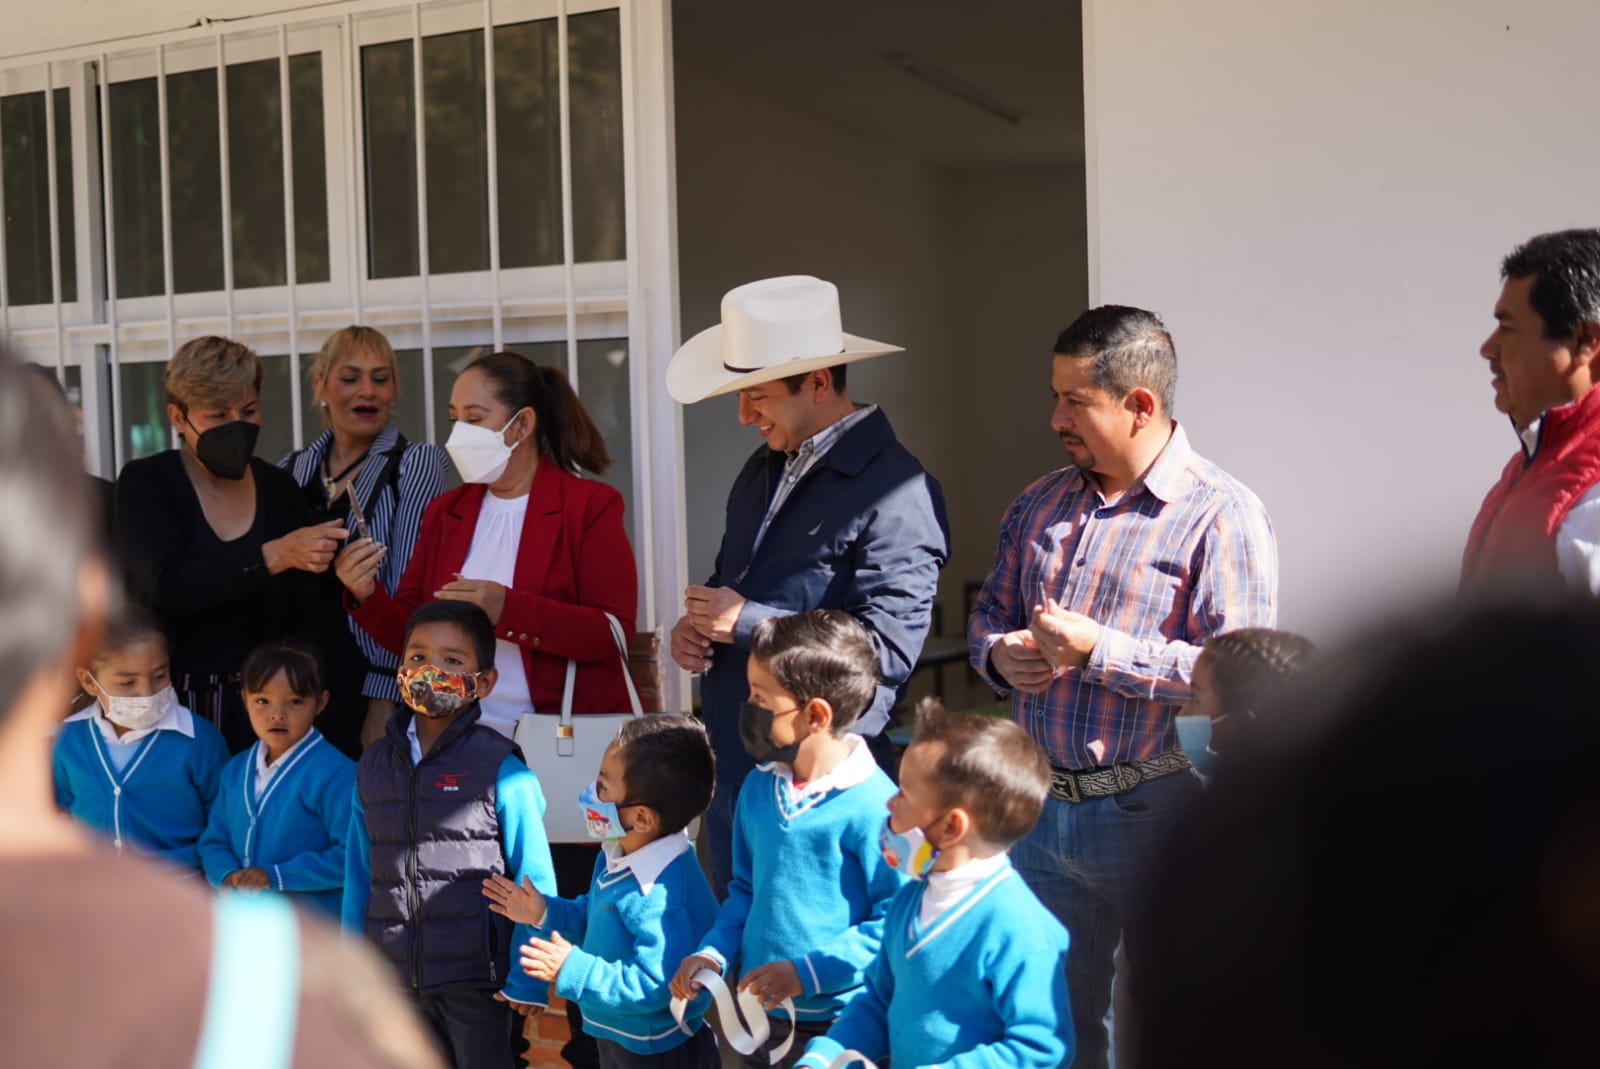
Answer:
(909, 851)
(1194, 737)
(602, 820)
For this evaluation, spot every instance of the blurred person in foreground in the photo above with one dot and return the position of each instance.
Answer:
(1402, 873)
(171, 977)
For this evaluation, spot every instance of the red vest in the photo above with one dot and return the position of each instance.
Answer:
(1514, 534)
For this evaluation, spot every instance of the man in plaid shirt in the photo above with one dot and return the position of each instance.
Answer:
(1109, 575)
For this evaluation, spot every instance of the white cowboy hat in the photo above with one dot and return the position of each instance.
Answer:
(770, 329)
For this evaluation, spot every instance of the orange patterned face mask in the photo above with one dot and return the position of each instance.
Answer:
(432, 692)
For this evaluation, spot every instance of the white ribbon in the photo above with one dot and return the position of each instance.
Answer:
(745, 1028)
(846, 1057)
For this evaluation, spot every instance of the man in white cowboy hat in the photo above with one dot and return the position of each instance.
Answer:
(831, 513)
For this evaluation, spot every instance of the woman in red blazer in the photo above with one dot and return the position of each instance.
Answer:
(543, 551)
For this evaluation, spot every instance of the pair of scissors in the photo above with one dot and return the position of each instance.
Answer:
(362, 531)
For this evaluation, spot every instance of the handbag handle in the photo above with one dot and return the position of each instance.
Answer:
(565, 745)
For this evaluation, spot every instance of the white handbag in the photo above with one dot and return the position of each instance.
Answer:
(565, 751)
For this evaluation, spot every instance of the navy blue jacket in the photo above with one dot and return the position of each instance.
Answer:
(864, 531)
(422, 839)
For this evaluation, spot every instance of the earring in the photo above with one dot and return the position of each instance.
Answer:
(324, 405)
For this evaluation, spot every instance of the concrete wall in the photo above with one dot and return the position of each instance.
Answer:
(972, 274)
(1316, 197)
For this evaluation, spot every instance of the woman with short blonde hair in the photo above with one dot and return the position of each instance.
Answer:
(362, 454)
(217, 541)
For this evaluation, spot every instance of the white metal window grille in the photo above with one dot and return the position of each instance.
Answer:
(465, 176)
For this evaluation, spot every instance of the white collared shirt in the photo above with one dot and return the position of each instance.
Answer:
(119, 748)
(265, 772)
(802, 460)
(945, 889)
(650, 860)
(856, 767)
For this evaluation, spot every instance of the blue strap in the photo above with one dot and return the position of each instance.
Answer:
(254, 994)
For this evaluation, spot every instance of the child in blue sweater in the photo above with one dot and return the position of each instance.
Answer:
(613, 949)
(442, 803)
(136, 765)
(805, 907)
(973, 968)
(280, 820)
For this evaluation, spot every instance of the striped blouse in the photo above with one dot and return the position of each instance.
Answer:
(1186, 553)
(394, 523)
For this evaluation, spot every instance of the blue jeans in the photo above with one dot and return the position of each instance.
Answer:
(1084, 861)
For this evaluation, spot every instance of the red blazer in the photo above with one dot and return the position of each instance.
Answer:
(573, 564)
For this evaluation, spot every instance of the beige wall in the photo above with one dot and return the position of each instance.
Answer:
(972, 274)
(1317, 197)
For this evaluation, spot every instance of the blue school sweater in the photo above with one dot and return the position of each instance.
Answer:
(810, 880)
(157, 804)
(628, 938)
(982, 984)
(295, 832)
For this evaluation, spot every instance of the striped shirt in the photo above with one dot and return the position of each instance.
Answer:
(1187, 552)
(394, 523)
(805, 458)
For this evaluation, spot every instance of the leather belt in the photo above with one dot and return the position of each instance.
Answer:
(1070, 786)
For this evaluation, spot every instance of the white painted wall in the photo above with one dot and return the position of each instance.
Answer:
(40, 25)
(1316, 198)
(974, 275)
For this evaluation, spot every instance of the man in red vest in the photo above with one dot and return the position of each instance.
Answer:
(1540, 523)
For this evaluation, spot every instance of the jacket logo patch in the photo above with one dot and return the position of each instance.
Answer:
(448, 781)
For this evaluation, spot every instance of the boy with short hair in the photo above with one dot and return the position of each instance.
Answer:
(973, 968)
(611, 950)
(441, 804)
(804, 912)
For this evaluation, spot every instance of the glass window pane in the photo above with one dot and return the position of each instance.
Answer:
(603, 386)
(255, 171)
(310, 168)
(391, 162)
(277, 410)
(25, 160)
(136, 189)
(527, 99)
(594, 66)
(144, 406)
(195, 166)
(457, 152)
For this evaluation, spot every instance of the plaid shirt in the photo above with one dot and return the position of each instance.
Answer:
(1186, 553)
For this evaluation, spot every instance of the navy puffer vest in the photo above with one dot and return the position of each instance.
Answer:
(435, 837)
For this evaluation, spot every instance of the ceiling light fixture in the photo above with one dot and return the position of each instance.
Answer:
(946, 82)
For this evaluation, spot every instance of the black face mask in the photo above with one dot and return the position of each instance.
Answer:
(755, 731)
(225, 450)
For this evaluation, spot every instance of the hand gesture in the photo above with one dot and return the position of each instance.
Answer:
(690, 649)
(523, 905)
(524, 1009)
(713, 611)
(772, 983)
(1017, 658)
(248, 880)
(309, 549)
(486, 594)
(542, 958)
(357, 566)
(1065, 638)
(683, 985)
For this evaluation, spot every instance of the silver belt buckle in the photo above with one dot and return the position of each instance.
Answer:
(1064, 785)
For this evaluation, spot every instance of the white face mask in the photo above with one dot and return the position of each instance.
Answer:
(480, 454)
(139, 712)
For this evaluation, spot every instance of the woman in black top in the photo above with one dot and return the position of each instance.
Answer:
(215, 540)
